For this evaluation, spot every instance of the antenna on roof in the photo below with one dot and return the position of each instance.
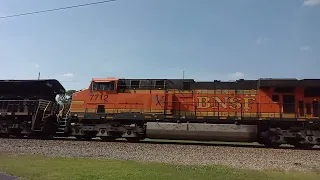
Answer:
(39, 76)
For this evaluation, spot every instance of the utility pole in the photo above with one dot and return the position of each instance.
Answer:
(39, 76)
(183, 74)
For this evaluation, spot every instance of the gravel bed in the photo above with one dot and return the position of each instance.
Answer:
(256, 158)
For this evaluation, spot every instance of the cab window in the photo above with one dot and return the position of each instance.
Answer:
(103, 86)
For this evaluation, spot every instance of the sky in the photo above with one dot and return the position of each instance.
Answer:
(207, 39)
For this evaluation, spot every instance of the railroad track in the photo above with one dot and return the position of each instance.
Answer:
(177, 142)
(234, 155)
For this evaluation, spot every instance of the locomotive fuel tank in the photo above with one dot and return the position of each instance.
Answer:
(202, 132)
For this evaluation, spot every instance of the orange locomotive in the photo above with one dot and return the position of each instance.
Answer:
(268, 111)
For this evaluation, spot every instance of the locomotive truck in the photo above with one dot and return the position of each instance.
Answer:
(268, 111)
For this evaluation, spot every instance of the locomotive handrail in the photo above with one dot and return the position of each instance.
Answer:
(19, 100)
(34, 118)
(5, 105)
(68, 112)
(61, 111)
(45, 109)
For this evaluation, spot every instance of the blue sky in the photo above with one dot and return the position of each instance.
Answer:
(208, 39)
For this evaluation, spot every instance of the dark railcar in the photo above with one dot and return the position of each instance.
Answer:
(29, 107)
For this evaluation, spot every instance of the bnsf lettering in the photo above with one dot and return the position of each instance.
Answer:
(226, 102)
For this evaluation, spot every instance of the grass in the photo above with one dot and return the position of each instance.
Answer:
(38, 168)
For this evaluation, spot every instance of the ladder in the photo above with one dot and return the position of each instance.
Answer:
(63, 122)
(62, 125)
(40, 115)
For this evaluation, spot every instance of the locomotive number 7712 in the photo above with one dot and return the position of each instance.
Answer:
(102, 97)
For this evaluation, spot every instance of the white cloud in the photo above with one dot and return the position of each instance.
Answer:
(311, 2)
(35, 65)
(262, 40)
(2, 14)
(68, 75)
(236, 75)
(305, 48)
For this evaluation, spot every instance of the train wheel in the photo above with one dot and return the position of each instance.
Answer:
(302, 146)
(272, 145)
(107, 138)
(18, 136)
(133, 139)
(271, 141)
(84, 138)
(47, 137)
(87, 138)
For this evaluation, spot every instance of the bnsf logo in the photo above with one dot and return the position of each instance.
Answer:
(226, 102)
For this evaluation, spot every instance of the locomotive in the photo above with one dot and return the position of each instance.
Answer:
(268, 111)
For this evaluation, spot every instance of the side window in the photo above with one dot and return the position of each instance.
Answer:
(135, 84)
(95, 86)
(104, 86)
(159, 84)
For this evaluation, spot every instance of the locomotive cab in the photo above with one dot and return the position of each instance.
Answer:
(94, 100)
(104, 84)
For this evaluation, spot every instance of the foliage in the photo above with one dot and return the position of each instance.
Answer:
(66, 98)
(65, 101)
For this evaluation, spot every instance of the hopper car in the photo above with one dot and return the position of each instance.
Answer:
(29, 107)
(268, 111)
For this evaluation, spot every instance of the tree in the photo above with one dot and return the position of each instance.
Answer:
(66, 98)
(65, 101)
(70, 92)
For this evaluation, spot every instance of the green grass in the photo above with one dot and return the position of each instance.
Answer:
(38, 168)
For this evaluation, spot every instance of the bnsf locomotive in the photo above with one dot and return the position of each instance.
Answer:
(268, 111)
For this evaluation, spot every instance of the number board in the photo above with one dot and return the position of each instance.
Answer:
(99, 97)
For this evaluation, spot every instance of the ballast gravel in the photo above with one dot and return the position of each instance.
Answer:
(250, 157)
